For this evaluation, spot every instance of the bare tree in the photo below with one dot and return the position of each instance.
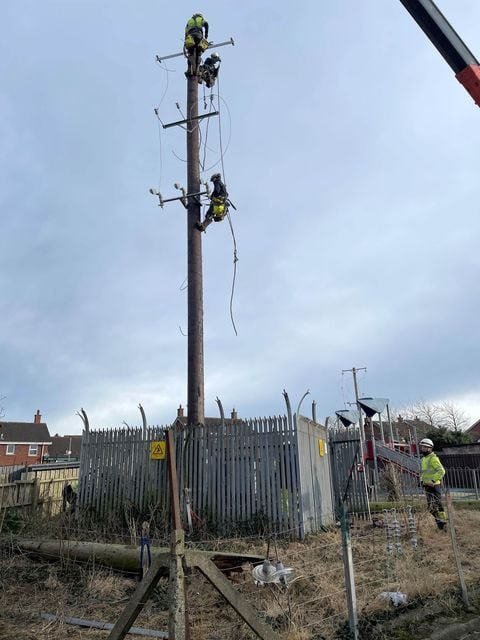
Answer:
(453, 417)
(426, 411)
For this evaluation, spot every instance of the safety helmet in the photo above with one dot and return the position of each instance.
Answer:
(216, 176)
(215, 56)
(197, 15)
(426, 442)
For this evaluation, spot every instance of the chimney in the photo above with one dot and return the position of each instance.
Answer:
(180, 412)
(37, 418)
(234, 415)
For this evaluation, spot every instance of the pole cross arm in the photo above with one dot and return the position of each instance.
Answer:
(180, 122)
(210, 46)
(183, 198)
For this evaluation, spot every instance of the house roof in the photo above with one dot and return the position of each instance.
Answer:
(61, 444)
(474, 430)
(24, 432)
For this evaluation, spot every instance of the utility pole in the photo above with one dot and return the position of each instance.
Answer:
(354, 371)
(195, 362)
(191, 201)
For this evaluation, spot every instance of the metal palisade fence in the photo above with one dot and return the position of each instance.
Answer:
(267, 473)
(348, 471)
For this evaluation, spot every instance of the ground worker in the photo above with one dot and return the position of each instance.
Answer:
(69, 496)
(196, 34)
(431, 478)
(218, 203)
(209, 70)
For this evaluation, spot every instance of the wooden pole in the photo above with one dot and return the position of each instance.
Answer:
(138, 600)
(453, 536)
(236, 600)
(195, 383)
(177, 625)
(348, 571)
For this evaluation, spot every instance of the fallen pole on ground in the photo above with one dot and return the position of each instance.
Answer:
(124, 557)
(104, 626)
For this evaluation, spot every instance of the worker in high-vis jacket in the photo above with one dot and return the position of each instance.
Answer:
(218, 203)
(431, 478)
(196, 40)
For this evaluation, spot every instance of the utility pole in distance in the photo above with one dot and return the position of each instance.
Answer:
(354, 371)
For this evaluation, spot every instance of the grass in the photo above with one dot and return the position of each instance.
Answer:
(417, 504)
(313, 607)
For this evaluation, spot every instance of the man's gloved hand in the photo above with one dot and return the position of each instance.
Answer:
(428, 484)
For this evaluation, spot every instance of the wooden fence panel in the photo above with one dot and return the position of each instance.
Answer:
(48, 482)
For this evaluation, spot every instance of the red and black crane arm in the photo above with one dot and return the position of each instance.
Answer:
(444, 37)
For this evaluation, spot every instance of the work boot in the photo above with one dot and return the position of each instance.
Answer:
(200, 226)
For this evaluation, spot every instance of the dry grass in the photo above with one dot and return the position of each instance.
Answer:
(313, 607)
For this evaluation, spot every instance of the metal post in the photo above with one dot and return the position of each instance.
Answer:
(349, 575)
(390, 429)
(453, 536)
(195, 385)
(360, 420)
(375, 461)
(381, 428)
(475, 483)
(416, 440)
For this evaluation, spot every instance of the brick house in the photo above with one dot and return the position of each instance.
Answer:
(474, 431)
(405, 429)
(23, 442)
(64, 448)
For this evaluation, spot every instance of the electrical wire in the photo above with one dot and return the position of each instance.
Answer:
(202, 164)
(235, 254)
(157, 109)
(229, 139)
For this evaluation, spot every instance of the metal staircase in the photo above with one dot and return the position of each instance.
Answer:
(405, 461)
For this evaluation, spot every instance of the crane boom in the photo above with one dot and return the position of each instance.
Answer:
(444, 37)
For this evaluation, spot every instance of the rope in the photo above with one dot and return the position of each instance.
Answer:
(235, 255)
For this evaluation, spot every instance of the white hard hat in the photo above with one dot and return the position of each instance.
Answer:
(215, 55)
(426, 442)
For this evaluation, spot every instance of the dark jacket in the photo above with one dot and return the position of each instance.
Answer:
(219, 190)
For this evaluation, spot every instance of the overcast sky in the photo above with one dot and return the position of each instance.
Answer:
(353, 160)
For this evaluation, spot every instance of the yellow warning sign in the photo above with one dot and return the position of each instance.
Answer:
(157, 450)
(321, 447)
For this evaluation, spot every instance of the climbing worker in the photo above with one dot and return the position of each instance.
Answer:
(218, 203)
(208, 71)
(431, 477)
(196, 34)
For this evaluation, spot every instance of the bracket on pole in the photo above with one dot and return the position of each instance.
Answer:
(183, 198)
(210, 46)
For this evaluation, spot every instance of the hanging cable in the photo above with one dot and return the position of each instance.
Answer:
(235, 255)
(157, 110)
(209, 168)
(160, 160)
(202, 164)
